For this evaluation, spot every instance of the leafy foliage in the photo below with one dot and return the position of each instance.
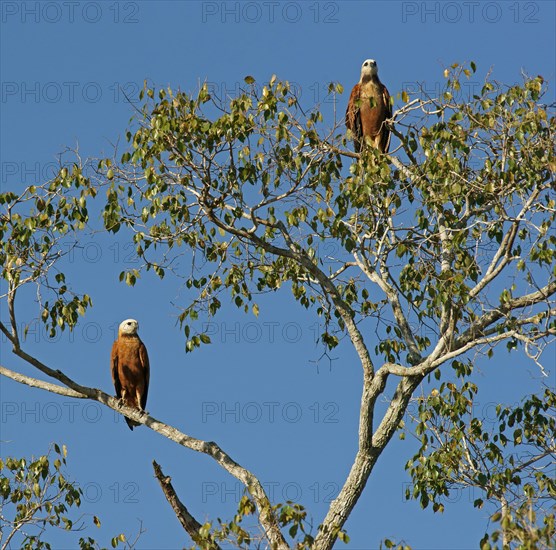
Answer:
(258, 150)
(291, 517)
(35, 233)
(256, 191)
(509, 460)
(36, 494)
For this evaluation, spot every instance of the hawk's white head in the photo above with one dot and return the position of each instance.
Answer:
(368, 69)
(129, 327)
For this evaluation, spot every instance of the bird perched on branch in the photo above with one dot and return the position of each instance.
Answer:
(130, 368)
(368, 109)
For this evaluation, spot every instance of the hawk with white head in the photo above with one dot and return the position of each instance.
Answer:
(368, 109)
(130, 368)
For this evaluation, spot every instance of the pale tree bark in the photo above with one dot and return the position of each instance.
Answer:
(188, 522)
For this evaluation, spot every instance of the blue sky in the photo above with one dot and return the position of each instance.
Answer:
(262, 390)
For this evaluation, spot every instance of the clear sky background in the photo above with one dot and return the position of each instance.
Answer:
(260, 389)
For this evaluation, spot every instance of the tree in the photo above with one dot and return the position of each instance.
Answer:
(36, 494)
(444, 252)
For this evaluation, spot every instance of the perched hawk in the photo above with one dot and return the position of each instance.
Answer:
(130, 368)
(367, 110)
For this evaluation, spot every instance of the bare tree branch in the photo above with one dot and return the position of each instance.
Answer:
(502, 255)
(11, 308)
(394, 300)
(36, 383)
(491, 317)
(188, 522)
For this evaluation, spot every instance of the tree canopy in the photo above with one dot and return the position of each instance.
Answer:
(429, 260)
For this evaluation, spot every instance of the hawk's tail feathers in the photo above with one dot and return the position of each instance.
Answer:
(131, 423)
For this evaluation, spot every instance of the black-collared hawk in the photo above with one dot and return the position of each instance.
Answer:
(368, 109)
(130, 368)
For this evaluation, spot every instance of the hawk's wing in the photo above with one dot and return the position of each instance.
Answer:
(114, 369)
(144, 358)
(353, 117)
(385, 130)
